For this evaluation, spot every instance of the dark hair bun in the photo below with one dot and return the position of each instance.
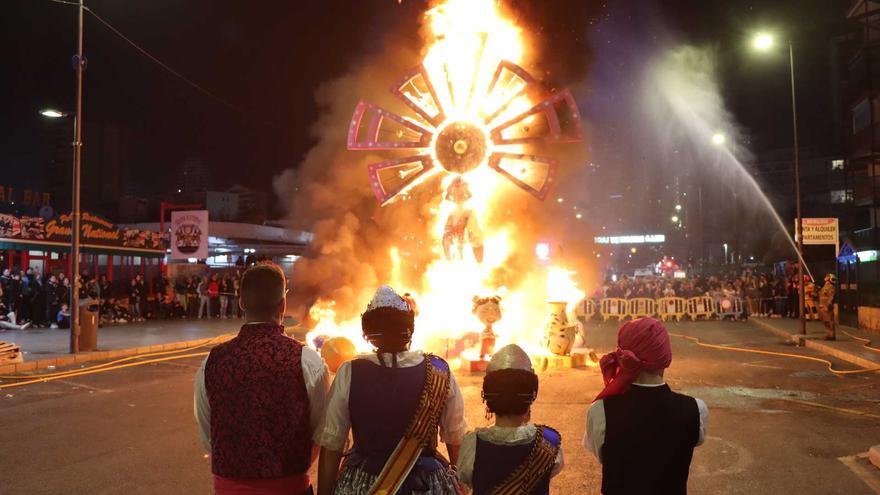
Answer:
(510, 391)
(388, 329)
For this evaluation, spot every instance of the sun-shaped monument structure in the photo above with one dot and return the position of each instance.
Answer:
(456, 127)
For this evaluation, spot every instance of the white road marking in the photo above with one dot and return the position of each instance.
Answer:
(82, 385)
(838, 409)
(856, 464)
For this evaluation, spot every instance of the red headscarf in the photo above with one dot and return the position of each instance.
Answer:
(642, 344)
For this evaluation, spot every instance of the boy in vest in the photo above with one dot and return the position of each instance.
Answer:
(393, 401)
(642, 432)
(260, 396)
(514, 456)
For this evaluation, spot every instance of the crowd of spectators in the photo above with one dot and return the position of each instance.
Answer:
(29, 298)
(763, 294)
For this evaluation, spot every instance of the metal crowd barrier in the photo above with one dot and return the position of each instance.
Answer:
(613, 307)
(701, 307)
(666, 308)
(641, 307)
(728, 307)
(586, 310)
(672, 308)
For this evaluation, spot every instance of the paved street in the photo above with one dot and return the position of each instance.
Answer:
(776, 425)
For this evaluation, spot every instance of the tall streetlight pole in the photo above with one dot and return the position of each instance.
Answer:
(765, 42)
(75, 213)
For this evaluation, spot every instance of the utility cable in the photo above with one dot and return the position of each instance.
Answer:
(162, 64)
(156, 60)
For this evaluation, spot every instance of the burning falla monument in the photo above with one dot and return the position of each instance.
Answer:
(477, 131)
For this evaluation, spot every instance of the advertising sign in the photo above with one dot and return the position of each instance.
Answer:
(189, 234)
(820, 231)
(94, 231)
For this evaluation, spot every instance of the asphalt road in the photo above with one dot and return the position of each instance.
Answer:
(776, 425)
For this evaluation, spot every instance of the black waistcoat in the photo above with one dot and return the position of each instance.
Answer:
(650, 437)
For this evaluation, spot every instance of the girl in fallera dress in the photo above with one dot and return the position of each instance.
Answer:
(514, 454)
(394, 401)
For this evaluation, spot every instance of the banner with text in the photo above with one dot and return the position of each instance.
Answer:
(189, 234)
(820, 231)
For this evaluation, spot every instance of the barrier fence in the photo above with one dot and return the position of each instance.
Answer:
(665, 308)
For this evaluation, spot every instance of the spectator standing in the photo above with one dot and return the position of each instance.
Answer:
(637, 412)
(180, 292)
(204, 298)
(213, 295)
(498, 458)
(225, 290)
(53, 300)
(192, 297)
(236, 296)
(134, 299)
(259, 398)
(142, 296)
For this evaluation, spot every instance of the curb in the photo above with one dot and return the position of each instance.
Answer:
(822, 347)
(84, 357)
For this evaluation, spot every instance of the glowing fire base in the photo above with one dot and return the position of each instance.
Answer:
(539, 363)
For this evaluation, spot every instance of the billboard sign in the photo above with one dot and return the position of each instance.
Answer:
(189, 234)
(820, 231)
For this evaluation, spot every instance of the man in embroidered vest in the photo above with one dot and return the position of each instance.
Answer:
(260, 396)
(642, 432)
(515, 455)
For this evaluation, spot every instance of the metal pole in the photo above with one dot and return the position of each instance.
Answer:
(797, 195)
(75, 213)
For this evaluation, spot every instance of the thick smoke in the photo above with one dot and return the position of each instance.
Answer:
(329, 194)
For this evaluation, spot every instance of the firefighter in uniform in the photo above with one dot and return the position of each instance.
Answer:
(826, 305)
(809, 299)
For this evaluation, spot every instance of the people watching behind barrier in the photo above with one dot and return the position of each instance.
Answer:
(36, 298)
(762, 295)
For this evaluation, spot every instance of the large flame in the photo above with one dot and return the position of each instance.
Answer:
(469, 38)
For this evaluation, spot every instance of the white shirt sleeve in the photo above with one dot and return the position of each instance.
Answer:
(452, 424)
(704, 420)
(202, 408)
(466, 457)
(559, 464)
(317, 380)
(332, 431)
(594, 434)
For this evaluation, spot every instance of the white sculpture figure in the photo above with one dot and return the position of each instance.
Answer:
(559, 331)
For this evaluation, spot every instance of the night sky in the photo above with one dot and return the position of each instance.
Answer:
(263, 61)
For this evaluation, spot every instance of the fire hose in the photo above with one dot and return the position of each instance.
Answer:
(826, 362)
(109, 366)
(117, 364)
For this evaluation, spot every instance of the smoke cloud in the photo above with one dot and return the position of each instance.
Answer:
(329, 194)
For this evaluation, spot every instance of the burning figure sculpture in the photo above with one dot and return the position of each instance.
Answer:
(488, 311)
(460, 222)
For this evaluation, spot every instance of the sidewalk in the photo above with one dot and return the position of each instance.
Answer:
(844, 348)
(44, 348)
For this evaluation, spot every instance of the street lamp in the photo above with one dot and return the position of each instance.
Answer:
(675, 219)
(718, 139)
(51, 113)
(764, 42)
